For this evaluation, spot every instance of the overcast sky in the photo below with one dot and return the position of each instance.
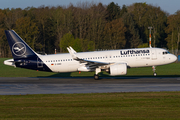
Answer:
(170, 6)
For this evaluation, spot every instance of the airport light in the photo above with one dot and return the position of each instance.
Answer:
(150, 36)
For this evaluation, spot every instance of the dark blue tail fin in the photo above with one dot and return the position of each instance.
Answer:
(19, 48)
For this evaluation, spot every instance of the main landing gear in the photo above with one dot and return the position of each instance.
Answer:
(154, 70)
(96, 76)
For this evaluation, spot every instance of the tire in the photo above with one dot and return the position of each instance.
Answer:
(155, 74)
(96, 77)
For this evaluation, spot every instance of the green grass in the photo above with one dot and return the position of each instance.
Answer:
(165, 70)
(153, 105)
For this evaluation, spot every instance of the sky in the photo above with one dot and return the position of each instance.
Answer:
(170, 6)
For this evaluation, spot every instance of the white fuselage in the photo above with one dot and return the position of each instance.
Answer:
(142, 57)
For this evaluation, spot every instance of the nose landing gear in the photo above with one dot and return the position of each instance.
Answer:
(154, 70)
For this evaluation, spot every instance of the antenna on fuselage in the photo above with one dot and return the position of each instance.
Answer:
(150, 36)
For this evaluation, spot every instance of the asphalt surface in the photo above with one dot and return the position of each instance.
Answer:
(16, 86)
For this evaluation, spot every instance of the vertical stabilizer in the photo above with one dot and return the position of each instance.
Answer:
(19, 48)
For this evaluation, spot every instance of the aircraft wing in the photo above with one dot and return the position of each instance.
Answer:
(92, 64)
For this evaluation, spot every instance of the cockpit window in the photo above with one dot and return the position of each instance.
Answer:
(166, 52)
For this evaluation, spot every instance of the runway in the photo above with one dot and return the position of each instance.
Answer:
(23, 86)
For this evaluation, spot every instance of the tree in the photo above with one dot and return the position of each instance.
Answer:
(66, 41)
(157, 19)
(4, 48)
(91, 25)
(59, 18)
(138, 11)
(28, 30)
(46, 26)
(96, 25)
(113, 11)
(173, 32)
(123, 10)
(78, 44)
(146, 15)
(132, 34)
(115, 34)
(11, 17)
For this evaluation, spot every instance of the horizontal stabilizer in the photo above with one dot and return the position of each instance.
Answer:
(9, 62)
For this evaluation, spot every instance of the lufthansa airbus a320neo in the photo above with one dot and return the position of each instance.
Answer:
(115, 62)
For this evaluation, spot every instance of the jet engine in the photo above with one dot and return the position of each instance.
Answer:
(118, 69)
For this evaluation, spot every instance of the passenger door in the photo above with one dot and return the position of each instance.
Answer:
(153, 54)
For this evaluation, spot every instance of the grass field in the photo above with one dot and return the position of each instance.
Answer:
(143, 105)
(152, 105)
(165, 70)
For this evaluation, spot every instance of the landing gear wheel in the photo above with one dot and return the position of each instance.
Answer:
(96, 77)
(155, 74)
(154, 69)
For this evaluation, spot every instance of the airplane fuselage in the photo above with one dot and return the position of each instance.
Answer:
(151, 57)
(142, 57)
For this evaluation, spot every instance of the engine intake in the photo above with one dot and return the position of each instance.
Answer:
(118, 69)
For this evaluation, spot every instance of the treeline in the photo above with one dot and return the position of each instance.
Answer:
(90, 26)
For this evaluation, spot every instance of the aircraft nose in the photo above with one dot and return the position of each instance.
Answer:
(173, 58)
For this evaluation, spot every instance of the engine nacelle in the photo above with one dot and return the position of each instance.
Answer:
(118, 69)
